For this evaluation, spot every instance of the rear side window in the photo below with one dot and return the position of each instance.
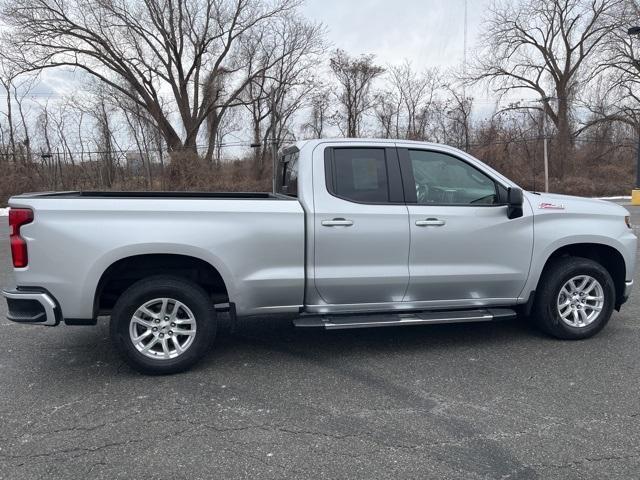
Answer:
(287, 183)
(360, 175)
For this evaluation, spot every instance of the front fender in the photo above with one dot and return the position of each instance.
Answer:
(555, 231)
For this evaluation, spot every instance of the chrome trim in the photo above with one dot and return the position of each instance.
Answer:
(336, 322)
(413, 320)
(44, 299)
(410, 305)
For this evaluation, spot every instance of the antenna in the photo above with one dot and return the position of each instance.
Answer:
(466, 28)
(464, 52)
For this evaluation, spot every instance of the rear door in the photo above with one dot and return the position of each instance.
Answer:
(464, 249)
(361, 226)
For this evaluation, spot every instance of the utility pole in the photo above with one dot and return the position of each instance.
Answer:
(546, 165)
(545, 143)
(466, 31)
(545, 139)
(274, 144)
(464, 49)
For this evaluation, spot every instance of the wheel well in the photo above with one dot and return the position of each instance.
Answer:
(127, 271)
(607, 256)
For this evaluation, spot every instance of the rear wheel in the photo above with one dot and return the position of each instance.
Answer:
(163, 324)
(575, 298)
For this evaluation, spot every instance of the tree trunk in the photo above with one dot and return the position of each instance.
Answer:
(12, 141)
(214, 123)
(257, 151)
(564, 144)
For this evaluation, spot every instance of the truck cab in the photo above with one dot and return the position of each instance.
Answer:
(410, 225)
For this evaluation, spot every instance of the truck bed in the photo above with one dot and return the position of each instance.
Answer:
(256, 241)
(152, 195)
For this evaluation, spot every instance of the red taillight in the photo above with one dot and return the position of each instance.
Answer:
(17, 218)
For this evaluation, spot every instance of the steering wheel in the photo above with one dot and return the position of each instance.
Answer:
(422, 192)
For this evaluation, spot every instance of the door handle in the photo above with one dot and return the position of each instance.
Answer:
(337, 222)
(430, 222)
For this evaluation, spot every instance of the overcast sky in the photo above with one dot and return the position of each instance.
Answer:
(427, 32)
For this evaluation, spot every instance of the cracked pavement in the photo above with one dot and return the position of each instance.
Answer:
(475, 401)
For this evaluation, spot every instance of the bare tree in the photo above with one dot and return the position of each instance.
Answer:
(416, 94)
(140, 129)
(355, 76)
(8, 75)
(228, 126)
(616, 96)
(458, 109)
(387, 112)
(319, 104)
(49, 171)
(22, 90)
(275, 96)
(549, 47)
(144, 48)
(17, 87)
(102, 114)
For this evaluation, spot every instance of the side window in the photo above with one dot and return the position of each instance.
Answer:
(288, 175)
(443, 179)
(360, 175)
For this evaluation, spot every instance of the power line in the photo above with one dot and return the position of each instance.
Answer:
(585, 140)
(135, 150)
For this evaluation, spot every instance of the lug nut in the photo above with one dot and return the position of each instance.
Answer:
(162, 335)
(154, 329)
(166, 318)
(157, 320)
(173, 324)
(170, 332)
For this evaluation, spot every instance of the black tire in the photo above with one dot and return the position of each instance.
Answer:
(545, 311)
(145, 290)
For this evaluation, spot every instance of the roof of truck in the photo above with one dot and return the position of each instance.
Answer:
(312, 143)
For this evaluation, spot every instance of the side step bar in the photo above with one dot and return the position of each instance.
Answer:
(337, 322)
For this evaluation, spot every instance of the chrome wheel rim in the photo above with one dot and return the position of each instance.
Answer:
(162, 328)
(580, 301)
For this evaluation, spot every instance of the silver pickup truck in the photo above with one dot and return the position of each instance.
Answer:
(359, 233)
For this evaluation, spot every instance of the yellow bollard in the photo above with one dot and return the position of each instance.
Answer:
(635, 197)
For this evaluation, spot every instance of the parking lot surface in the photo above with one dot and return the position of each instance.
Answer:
(475, 401)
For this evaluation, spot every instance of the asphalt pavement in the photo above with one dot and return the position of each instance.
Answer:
(475, 401)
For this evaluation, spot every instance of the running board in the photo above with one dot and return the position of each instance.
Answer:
(336, 322)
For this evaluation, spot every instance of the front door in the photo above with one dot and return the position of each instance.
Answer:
(361, 227)
(464, 249)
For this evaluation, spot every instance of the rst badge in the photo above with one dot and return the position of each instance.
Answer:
(551, 206)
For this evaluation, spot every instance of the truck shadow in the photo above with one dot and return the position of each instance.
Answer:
(278, 333)
(257, 338)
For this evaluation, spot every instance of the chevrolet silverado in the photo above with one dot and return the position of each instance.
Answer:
(358, 233)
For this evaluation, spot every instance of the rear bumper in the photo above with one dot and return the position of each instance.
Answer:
(36, 307)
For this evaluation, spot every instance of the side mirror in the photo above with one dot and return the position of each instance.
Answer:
(515, 199)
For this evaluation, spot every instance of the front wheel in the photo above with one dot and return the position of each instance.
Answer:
(163, 324)
(575, 298)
